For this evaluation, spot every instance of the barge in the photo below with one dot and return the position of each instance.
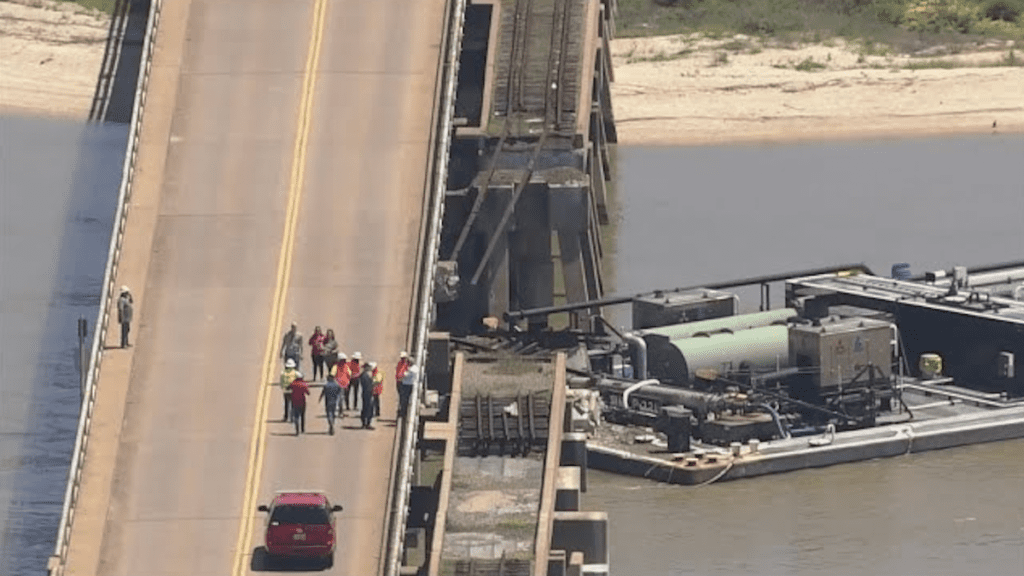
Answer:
(853, 367)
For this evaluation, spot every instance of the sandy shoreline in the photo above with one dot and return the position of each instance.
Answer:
(688, 90)
(50, 56)
(679, 90)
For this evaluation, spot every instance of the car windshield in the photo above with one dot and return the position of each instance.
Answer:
(300, 514)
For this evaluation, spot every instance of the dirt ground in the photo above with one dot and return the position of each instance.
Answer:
(50, 56)
(692, 90)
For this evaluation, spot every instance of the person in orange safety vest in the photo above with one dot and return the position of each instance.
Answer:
(352, 370)
(343, 377)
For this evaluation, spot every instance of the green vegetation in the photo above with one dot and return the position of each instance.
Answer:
(905, 25)
(809, 65)
(105, 6)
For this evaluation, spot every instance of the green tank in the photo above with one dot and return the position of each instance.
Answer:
(762, 349)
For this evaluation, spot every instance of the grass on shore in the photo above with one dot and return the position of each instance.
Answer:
(105, 6)
(905, 26)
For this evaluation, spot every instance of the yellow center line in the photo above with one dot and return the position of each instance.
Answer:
(257, 443)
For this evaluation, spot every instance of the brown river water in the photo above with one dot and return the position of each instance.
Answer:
(689, 215)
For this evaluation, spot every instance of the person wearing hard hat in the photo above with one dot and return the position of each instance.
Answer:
(400, 368)
(365, 381)
(288, 376)
(125, 311)
(378, 387)
(299, 389)
(342, 375)
(409, 379)
(353, 368)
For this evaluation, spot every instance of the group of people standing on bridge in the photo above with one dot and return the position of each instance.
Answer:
(345, 380)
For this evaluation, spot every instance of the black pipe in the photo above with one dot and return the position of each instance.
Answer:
(612, 300)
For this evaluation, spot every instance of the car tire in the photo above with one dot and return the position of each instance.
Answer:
(329, 560)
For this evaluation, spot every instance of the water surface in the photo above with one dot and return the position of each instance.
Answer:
(691, 215)
(58, 189)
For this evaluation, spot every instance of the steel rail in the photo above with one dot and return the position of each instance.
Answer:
(56, 563)
(111, 57)
(401, 487)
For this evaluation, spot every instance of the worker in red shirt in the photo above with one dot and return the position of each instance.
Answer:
(354, 367)
(400, 369)
(299, 389)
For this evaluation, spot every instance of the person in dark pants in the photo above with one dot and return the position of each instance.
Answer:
(291, 345)
(125, 310)
(299, 390)
(354, 370)
(316, 352)
(287, 377)
(378, 387)
(409, 377)
(330, 394)
(366, 388)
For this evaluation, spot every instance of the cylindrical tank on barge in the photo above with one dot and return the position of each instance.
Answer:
(733, 323)
(762, 349)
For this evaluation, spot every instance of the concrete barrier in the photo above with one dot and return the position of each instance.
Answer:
(55, 564)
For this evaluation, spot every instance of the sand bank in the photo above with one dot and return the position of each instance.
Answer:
(50, 56)
(688, 89)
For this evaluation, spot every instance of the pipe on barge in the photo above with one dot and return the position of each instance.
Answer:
(515, 315)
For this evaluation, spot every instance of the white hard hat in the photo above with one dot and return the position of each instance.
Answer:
(298, 375)
(357, 355)
(342, 355)
(124, 289)
(373, 364)
(403, 354)
(289, 363)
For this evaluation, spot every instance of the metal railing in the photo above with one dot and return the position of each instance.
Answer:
(56, 562)
(111, 56)
(431, 235)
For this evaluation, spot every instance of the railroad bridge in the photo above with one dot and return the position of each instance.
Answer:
(291, 162)
(528, 189)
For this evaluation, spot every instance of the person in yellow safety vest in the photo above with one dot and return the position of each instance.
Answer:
(287, 377)
(378, 387)
(352, 370)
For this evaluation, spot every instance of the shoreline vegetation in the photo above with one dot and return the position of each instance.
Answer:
(718, 71)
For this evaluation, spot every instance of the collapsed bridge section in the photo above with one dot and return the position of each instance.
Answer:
(530, 163)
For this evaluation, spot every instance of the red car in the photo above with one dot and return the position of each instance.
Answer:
(300, 524)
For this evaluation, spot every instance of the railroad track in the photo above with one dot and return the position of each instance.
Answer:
(511, 425)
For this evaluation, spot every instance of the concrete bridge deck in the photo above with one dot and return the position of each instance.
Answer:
(280, 177)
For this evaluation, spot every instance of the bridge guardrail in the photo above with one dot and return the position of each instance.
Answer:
(56, 563)
(402, 479)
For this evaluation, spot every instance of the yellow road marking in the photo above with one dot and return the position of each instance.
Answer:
(257, 443)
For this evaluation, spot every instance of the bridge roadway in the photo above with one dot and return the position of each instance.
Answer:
(281, 177)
